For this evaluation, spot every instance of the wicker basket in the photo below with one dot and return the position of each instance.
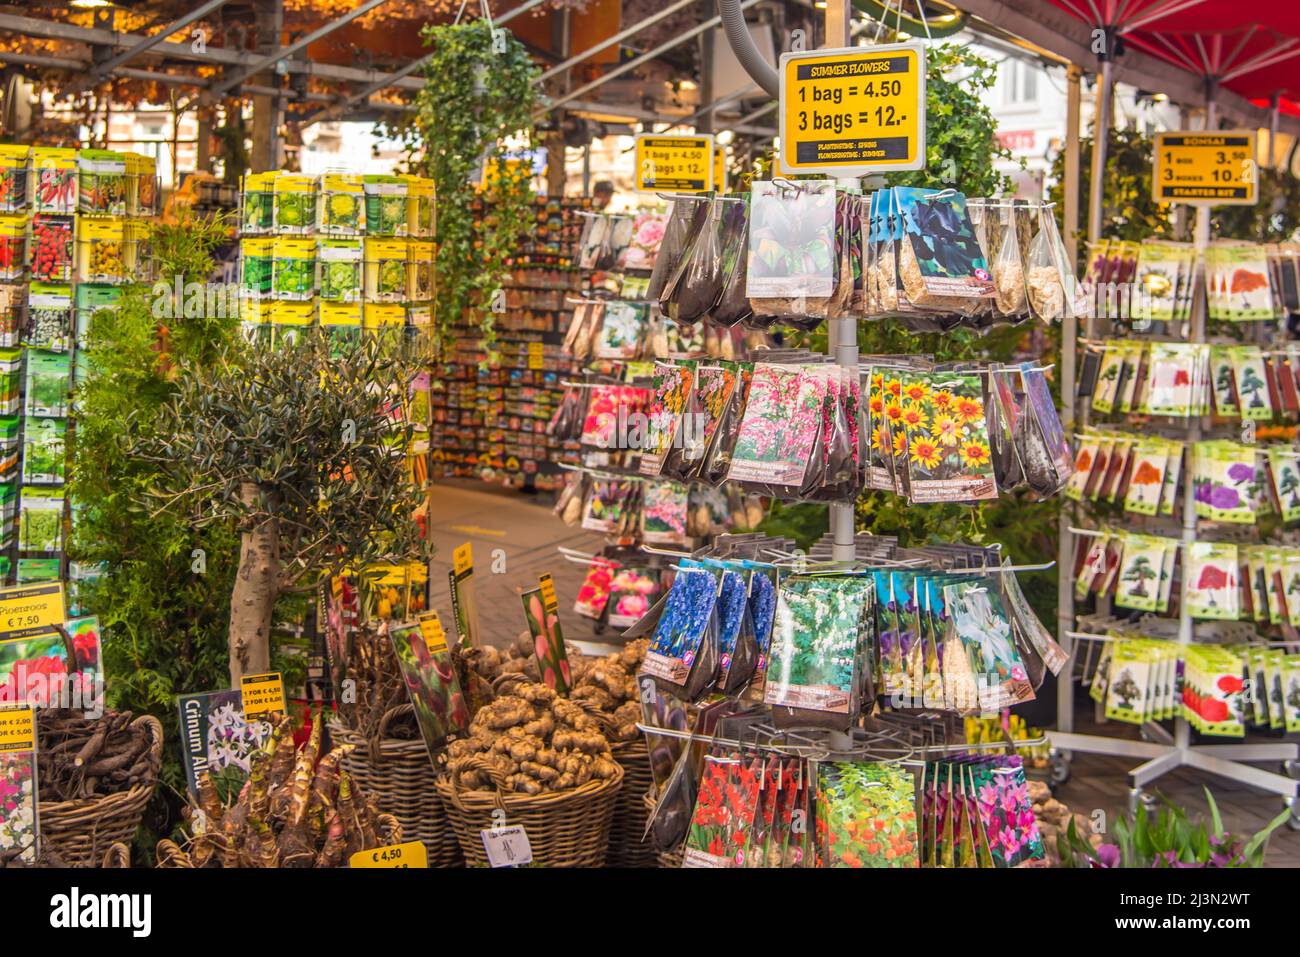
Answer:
(628, 846)
(565, 828)
(400, 777)
(81, 832)
(671, 858)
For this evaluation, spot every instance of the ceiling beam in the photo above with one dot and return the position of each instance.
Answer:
(149, 42)
(274, 57)
(363, 96)
(182, 50)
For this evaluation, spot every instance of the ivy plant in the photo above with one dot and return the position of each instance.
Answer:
(478, 93)
(1130, 211)
(961, 146)
(1274, 219)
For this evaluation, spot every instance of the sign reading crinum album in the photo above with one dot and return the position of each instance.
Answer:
(854, 111)
(674, 164)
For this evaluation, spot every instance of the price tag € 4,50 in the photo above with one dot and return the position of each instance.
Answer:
(853, 111)
(411, 854)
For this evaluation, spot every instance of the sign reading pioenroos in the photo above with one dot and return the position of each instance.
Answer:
(1206, 167)
(30, 609)
(262, 694)
(674, 164)
(853, 111)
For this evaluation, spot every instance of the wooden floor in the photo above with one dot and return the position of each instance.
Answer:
(520, 533)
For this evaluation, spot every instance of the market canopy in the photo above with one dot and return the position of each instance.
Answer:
(1251, 49)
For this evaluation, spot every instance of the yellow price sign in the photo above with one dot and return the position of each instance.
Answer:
(853, 111)
(674, 164)
(262, 694)
(550, 601)
(30, 609)
(462, 559)
(1206, 167)
(410, 854)
(720, 169)
(17, 729)
(435, 639)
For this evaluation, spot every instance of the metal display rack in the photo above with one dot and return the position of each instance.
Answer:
(1161, 750)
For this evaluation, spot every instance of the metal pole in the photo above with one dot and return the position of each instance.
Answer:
(1100, 143)
(842, 332)
(618, 71)
(148, 43)
(1274, 128)
(273, 58)
(1069, 355)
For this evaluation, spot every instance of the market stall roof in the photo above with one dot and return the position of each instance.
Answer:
(1065, 30)
(1250, 48)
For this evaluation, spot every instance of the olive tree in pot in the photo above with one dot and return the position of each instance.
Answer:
(304, 445)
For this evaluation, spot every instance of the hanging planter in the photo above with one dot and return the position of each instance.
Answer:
(478, 92)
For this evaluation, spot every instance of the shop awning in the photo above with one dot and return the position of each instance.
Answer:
(1250, 48)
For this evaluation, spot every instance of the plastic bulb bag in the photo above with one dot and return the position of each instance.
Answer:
(1040, 438)
(1002, 413)
(683, 227)
(814, 309)
(792, 250)
(671, 820)
(1011, 300)
(733, 305)
(697, 285)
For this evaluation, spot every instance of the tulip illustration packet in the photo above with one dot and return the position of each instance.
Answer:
(429, 675)
(542, 613)
(724, 812)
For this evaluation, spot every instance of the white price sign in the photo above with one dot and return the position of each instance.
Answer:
(507, 846)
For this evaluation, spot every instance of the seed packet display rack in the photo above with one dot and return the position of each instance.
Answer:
(1161, 749)
(490, 423)
(73, 235)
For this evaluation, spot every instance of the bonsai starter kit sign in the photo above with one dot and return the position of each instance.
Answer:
(854, 111)
(1206, 167)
